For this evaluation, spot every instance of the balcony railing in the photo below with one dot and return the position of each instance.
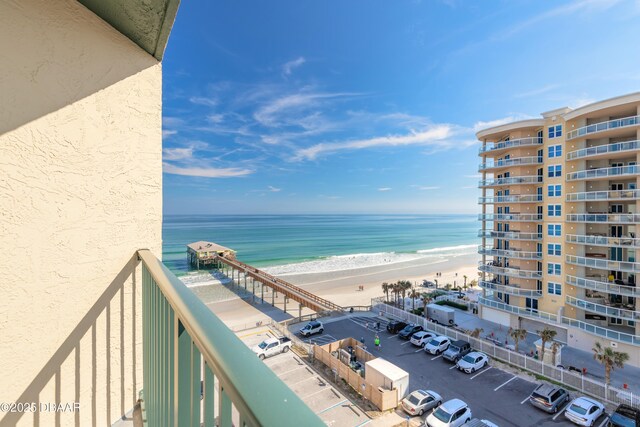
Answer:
(604, 218)
(182, 338)
(509, 253)
(605, 264)
(525, 312)
(602, 332)
(602, 126)
(618, 313)
(511, 290)
(616, 171)
(604, 149)
(602, 286)
(514, 198)
(509, 271)
(512, 180)
(624, 242)
(604, 195)
(514, 235)
(511, 162)
(521, 142)
(517, 217)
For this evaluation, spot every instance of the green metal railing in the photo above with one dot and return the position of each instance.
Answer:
(197, 372)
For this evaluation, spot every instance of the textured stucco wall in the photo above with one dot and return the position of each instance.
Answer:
(80, 191)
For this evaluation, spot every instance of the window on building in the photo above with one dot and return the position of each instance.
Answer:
(555, 151)
(554, 288)
(554, 229)
(554, 190)
(554, 171)
(554, 210)
(554, 249)
(555, 131)
(554, 269)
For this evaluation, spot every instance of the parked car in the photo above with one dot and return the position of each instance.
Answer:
(549, 398)
(272, 346)
(452, 413)
(421, 338)
(625, 416)
(395, 326)
(479, 423)
(457, 350)
(313, 327)
(584, 411)
(472, 362)
(409, 330)
(421, 401)
(437, 345)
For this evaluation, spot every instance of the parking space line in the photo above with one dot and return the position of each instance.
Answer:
(606, 418)
(526, 398)
(437, 357)
(481, 372)
(561, 411)
(419, 350)
(392, 336)
(292, 370)
(408, 342)
(453, 367)
(505, 383)
(317, 392)
(332, 406)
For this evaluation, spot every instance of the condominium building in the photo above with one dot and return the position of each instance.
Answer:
(559, 223)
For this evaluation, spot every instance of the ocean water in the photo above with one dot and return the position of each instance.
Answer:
(288, 244)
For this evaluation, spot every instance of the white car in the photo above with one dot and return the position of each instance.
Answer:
(421, 401)
(472, 362)
(421, 338)
(452, 413)
(313, 327)
(437, 345)
(584, 411)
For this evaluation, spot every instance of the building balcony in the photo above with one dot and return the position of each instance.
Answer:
(511, 290)
(606, 150)
(619, 311)
(603, 264)
(505, 145)
(511, 217)
(512, 180)
(513, 198)
(602, 127)
(509, 253)
(511, 235)
(524, 312)
(603, 332)
(603, 286)
(604, 195)
(604, 218)
(602, 240)
(604, 173)
(498, 270)
(507, 163)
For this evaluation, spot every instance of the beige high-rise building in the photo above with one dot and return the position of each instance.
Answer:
(559, 222)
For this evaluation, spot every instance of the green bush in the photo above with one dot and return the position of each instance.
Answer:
(417, 311)
(454, 304)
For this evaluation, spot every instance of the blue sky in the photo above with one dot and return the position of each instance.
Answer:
(367, 106)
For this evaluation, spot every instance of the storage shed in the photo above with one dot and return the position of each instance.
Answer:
(384, 374)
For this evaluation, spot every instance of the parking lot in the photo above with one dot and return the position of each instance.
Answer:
(330, 405)
(491, 393)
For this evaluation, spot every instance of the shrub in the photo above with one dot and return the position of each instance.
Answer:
(454, 304)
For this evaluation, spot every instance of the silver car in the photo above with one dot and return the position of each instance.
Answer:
(421, 401)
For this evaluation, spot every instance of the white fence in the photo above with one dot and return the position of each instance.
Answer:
(572, 380)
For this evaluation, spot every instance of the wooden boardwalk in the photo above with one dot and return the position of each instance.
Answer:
(303, 297)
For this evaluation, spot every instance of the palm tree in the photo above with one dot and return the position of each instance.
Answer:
(610, 358)
(476, 333)
(404, 285)
(518, 335)
(396, 291)
(465, 282)
(413, 295)
(546, 335)
(386, 288)
(426, 300)
(554, 351)
(436, 282)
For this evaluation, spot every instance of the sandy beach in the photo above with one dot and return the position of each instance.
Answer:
(342, 286)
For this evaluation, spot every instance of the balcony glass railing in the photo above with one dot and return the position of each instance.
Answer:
(626, 241)
(509, 253)
(514, 198)
(526, 312)
(512, 180)
(604, 149)
(509, 271)
(604, 195)
(511, 162)
(602, 126)
(604, 173)
(495, 146)
(605, 264)
(602, 286)
(511, 290)
(607, 310)
(186, 348)
(511, 217)
(514, 235)
(604, 218)
(602, 332)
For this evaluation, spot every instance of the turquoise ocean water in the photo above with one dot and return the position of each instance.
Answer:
(304, 243)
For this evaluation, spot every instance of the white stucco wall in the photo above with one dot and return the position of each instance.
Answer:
(80, 191)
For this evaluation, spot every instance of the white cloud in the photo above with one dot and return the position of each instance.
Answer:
(580, 102)
(478, 126)
(536, 92)
(384, 189)
(274, 189)
(425, 188)
(177, 153)
(288, 67)
(206, 172)
(474, 176)
(167, 133)
(215, 118)
(200, 100)
(169, 121)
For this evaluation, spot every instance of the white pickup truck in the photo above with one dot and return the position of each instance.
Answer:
(272, 346)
